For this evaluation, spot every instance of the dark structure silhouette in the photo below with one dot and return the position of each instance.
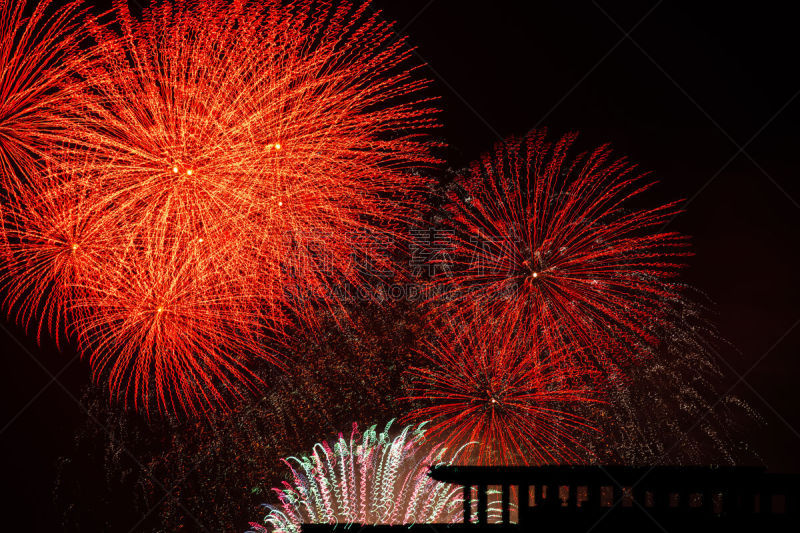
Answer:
(616, 498)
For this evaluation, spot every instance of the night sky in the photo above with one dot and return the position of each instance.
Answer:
(706, 98)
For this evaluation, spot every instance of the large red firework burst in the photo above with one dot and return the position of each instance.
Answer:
(38, 44)
(280, 126)
(223, 165)
(551, 247)
(514, 397)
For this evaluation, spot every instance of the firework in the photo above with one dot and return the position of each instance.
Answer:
(354, 365)
(53, 238)
(548, 246)
(372, 478)
(162, 324)
(38, 48)
(516, 400)
(281, 127)
(671, 410)
(223, 165)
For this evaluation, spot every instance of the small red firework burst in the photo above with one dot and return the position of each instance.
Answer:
(513, 398)
(38, 46)
(223, 165)
(547, 246)
(54, 237)
(163, 327)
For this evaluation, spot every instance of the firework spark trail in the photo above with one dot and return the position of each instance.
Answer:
(37, 54)
(53, 237)
(518, 401)
(675, 398)
(234, 158)
(298, 159)
(550, 246)
(161, 315)
(393, 487)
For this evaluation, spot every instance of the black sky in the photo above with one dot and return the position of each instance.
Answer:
(688, 87)
(701, 94)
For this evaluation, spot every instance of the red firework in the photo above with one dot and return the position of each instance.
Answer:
(234, 156)
(162, 326)
(37, 48)
(283, 127)
(514, 398)
(547, 246)
(53, 238)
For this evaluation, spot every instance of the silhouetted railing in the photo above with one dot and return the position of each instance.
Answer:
(616, 498)
(576, 495)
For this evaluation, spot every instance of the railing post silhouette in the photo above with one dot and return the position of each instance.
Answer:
(708, 500)
(791, 506)
(523, 503)
(592, 496)
(551, 500)
(661, 498)
(683, 500)
(616, 496)
(737, 502)
(505, 504)
(482, 504)
(572, 495)
(553, 495)
(637, 495)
